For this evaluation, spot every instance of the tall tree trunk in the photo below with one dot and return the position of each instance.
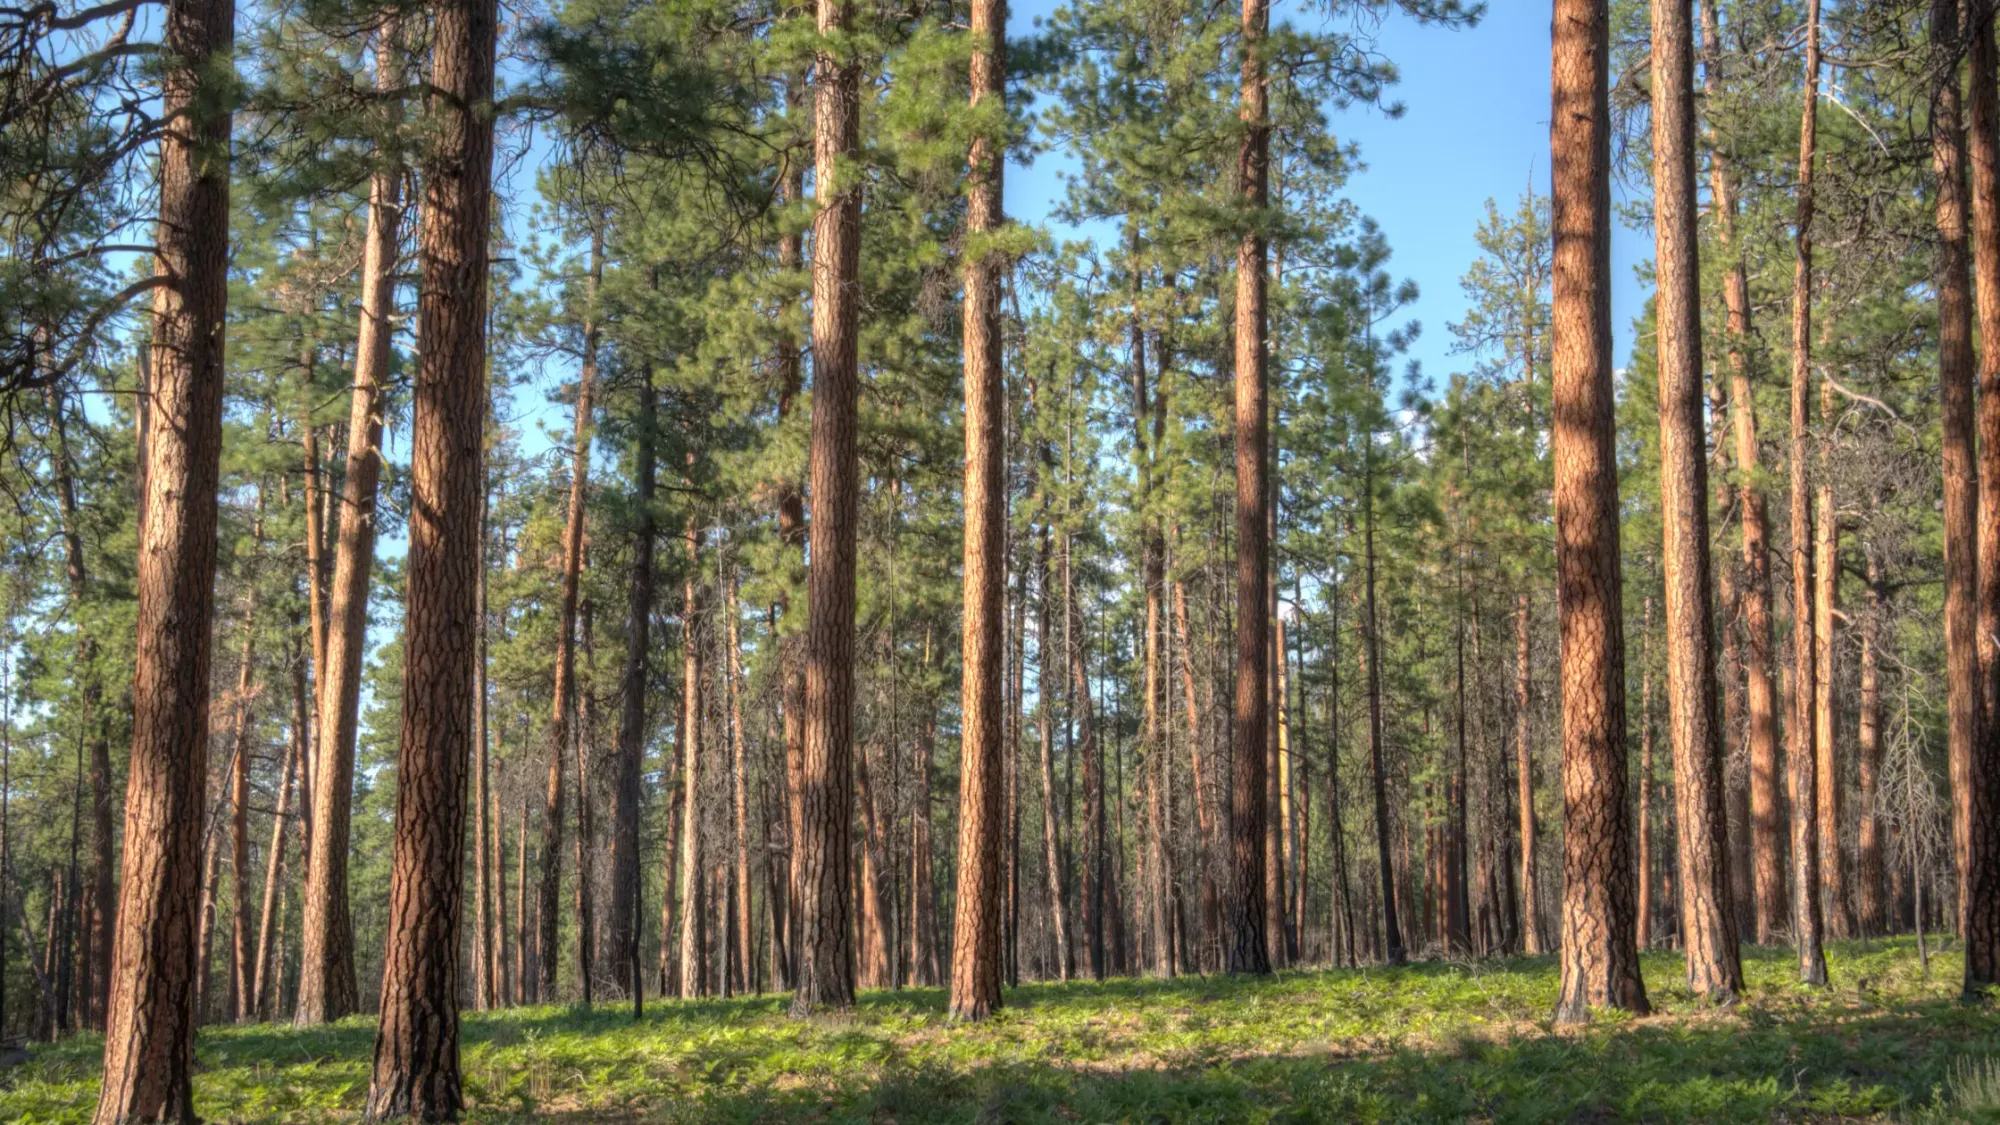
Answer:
(1095, 896)
(149, 1040)
(1736, 759)
(1972, 557)
(1246, 950)
(1600, 966)
(416, 1043)
(1048, 677)
(670, 899)
(239, 814)
(923, 912)
(506, 981)
(327, 988)
(975, 950)
(1826, 715)
(1371, 655)
(584, 895)
(1458, 903)
(792, 533)
(1707, 909)
(1800, 748)
(486, 868)
(732, 671)
(822, 878)
(524, 977)
(1759, 655)
(1524, 774)
(1644, 835)
(694, 865)
(626, 793)
(1018, 642)
(264, 988)
(1873, 916)
(562, 721)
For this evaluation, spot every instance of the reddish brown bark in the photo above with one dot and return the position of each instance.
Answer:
(327, 988)
(1048, 679)
(822, 879)
(269, 966)
(975, 957)
(485, 850)
(563, 720)
(1707, 908)
(1759, 652)
(1524, 779)
(1801, 748)
(1826, 714)
(1600, 965)
(1245, 949)
(416, 1066)
(693, 863)
(149, 1037)
(1869, 863)
(1969, 595)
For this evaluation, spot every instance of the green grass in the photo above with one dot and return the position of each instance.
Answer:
(1432, 1042)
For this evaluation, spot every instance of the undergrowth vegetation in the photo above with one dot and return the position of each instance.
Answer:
(1437, 1041)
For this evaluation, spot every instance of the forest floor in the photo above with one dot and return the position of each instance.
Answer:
(1436, 1041)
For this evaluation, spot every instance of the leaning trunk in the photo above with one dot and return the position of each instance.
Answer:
(327, 988)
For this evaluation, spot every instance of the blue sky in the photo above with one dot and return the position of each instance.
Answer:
(1475, 125)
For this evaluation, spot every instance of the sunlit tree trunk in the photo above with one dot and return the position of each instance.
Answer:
(1245, 945)
(1869, 862)
(1759, 654)
(1800, 748)
(562, 722)
(1600, 965)
(1707, 909)
(327, 987)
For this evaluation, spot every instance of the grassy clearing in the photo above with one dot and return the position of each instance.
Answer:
(1432, 1042)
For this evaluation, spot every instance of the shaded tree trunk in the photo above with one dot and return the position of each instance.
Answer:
(1246, 949)
(1972, 545)
(626, 793)
(822, 877)
(416, 1068)
(485, 960)
(1048, 677)
(1600, 966)
(1371, 655)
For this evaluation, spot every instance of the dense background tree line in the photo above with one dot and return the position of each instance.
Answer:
(540, 587)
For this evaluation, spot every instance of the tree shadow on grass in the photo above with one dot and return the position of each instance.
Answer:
(1835, 1065)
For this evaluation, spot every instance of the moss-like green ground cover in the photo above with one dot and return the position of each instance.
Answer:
(1432, 1042)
